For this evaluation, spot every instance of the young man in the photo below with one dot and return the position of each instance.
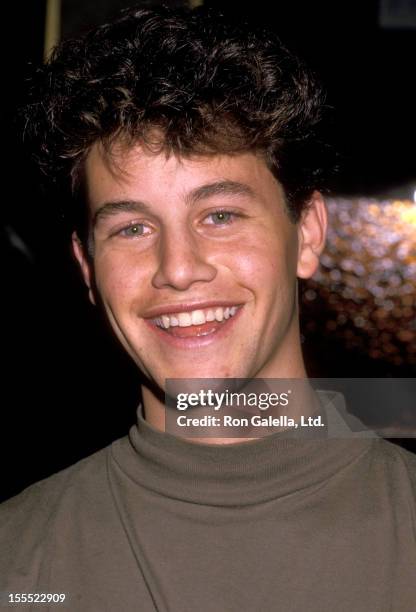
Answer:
(192, 149)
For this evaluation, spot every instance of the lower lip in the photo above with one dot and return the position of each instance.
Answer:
(196, 341)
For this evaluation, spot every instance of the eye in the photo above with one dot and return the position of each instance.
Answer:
(221, 217)
(134, 230)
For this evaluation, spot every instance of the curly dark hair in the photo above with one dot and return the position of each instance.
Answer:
(184, 82)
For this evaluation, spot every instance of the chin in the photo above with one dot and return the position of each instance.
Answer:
(191, 372)
(202, 373)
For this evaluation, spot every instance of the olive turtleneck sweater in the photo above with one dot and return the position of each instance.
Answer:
(155, 522)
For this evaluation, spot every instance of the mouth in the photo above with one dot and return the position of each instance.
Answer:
(195, 325)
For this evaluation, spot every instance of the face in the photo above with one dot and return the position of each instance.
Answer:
(195, 262)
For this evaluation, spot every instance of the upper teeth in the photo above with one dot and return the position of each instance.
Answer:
(195, 317)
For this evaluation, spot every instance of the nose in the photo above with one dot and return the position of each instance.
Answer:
(182, 261)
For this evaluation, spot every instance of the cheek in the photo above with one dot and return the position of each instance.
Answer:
(118, 278)
(268, 263)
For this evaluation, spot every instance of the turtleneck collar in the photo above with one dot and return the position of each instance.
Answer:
(244, 473)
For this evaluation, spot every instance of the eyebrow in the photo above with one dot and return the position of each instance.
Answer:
(203, 192)
(226, 187)
(112, 208)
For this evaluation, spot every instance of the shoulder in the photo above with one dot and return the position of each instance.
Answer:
(34, 520)
(396, 464)
(56, 488)
(394, 454)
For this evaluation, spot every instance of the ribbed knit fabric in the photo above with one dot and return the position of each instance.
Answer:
(155, 522)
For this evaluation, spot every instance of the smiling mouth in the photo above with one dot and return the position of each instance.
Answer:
(201, 322)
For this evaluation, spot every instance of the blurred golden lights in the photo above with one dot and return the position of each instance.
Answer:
(365, 290)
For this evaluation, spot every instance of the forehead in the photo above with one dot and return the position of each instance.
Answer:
(123, 172)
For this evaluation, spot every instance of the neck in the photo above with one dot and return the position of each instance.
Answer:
(290, 365)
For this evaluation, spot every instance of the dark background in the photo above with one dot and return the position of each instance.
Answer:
(68, 389)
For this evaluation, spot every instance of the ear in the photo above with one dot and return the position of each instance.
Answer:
(311, 235)
(84, 263)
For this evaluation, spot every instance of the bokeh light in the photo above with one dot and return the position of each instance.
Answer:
(364, 293)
